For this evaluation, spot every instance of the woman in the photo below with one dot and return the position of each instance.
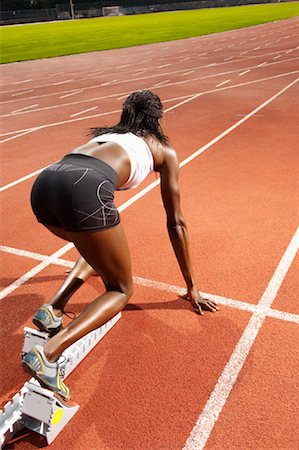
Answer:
(74, 200)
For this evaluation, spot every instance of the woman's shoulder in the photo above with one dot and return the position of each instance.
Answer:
(161, 152)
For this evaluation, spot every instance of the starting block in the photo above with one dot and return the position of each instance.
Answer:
(39, 409)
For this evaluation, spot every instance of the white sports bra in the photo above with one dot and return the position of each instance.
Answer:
(141, 157)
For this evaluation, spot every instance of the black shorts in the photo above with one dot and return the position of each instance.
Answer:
(76, 194)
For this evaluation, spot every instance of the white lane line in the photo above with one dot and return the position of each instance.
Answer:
(11, 138)
(31, 273)
(230, 57)
(24, 81)
(62, 82)
(161, 83)
(164, 65)
(20, 93)
(35, 256)
(23, 109)
(107, 83)
(243, 73)
(123, 66)
(84, 111)
(78, 91)
(262, 64)
(185, 59)
(188, 73)
(277, 57)
(186, 100)
(244, 53)
(235, 304)
(237, 124)
(209, 416)
(222, 83)
(20, 180)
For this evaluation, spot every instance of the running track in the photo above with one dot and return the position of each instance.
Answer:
(165, 378)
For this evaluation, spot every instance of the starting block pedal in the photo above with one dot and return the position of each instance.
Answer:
(39, 409)
(44, 413)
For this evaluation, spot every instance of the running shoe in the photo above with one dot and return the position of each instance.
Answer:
(49, 374)
(45, 320)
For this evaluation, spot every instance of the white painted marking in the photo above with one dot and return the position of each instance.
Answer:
(256, 48)
(202, 54)
(23, 109)
(218, 50)
(109, 82)
(262, 64)
(161, 83)
(278, 56)
(23, 92)
(223, 82)
(62, 82)
(35, 256)
(236, 125)
(20, 180)
(209, 416)
(72, 93)
(31, 273)
(236, 304)
(11, 138)
(123, 66)
(185, 59)
(85, 110)
(244, 53)
(230, 57)
(243, 73)
(188, 73)
(164, 65)
(24, 81)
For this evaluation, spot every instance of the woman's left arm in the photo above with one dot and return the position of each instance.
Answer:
(177, 229)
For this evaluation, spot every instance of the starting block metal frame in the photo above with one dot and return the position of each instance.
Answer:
(38, 409)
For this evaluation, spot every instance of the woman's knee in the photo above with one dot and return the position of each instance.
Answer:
(124, 288)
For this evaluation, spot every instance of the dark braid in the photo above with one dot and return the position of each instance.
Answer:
(140, 115)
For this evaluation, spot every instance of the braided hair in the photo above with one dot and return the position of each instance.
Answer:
(140, 115)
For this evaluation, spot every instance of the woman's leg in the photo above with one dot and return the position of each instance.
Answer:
(108, 254)
(80, 273)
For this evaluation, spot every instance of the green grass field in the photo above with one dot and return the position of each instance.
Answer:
(45, 40)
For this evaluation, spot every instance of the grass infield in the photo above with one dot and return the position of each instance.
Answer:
(45, 40)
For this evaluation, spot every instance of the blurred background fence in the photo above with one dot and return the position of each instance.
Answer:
(78, 10)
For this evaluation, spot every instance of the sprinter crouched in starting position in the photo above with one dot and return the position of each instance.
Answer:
(74, 200)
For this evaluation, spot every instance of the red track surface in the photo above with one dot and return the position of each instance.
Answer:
(165, 378)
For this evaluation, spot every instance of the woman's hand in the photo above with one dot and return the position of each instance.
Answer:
(199, 304)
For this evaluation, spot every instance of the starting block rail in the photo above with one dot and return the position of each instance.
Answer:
(38, 409)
